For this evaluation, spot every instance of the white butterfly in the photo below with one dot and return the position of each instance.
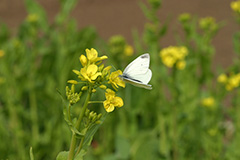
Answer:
(138, 73)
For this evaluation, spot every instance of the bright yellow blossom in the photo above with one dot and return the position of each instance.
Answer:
(174, 55)
(2, 53)
(128, 50)
(92, 56)
(115, 80)
(208, 102)
(235, 5)
(112, 101)
(90, 73)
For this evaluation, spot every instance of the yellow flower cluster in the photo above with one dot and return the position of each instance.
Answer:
(94, 75)
(184, 17)
(231, 82)
(128, 50)
(174, 55)
(235, 5)
(208, 102)
(208, 23)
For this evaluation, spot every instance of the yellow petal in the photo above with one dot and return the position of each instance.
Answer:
(93, 77)
(118, 102)
(72, 81)
(92, 69)
(83, 60)
(76, 72)
(91, 54)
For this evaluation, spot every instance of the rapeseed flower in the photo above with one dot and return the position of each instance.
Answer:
(208, 23)
(128, 50)
(112, 101)
(235, 5)
(231, 82)
(92, 56)
(115, 80)
(90, 73)
(208, 102)
(174, 55)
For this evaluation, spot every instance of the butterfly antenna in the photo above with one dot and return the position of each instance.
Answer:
(114, 67)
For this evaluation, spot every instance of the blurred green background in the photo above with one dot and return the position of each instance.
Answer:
(189, 114)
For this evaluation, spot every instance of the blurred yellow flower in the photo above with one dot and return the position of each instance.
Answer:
(102, 86)
(181, 65)
(208, 102)
(174, 55)
(231, 82)
(222, 78)
(184, 17)
(212, 132)
(2, 53)
(90, 73)
(115, 80)
(128, 50)
(32, 18)
(92, 56)
(112, 101)
(208, 23)
(235, 5)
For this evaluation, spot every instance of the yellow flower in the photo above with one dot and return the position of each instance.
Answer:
(181, 65)
(92, 56)
(115, 80)
(32, 18)
(235, 5)
(184, 17)
(208, 23)
(128, 50)
(174, 55)
(222, 78)
(208, 102)
(112, 101)
(2, 53)
(90, 73)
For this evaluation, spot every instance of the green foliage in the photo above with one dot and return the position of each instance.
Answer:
(187, 115)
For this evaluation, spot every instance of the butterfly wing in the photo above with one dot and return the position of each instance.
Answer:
(140, 80)
(139, 66)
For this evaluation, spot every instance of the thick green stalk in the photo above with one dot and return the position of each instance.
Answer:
(74, 138)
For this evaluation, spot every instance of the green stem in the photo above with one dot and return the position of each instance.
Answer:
(95, 102)
(174, 116)
(74, 138)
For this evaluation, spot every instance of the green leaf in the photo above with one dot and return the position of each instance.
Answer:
(66, 7)
(62, 155)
